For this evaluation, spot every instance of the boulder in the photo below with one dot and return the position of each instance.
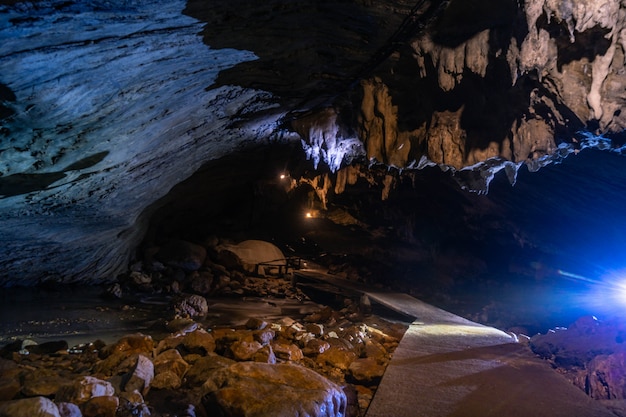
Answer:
(140, 377)
(29, 407)
(84, 388)
(170, 361)
(265, 390)
(249, 254)
(193, 305)
(204, 367)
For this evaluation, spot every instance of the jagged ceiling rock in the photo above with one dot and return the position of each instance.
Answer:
(105, 106)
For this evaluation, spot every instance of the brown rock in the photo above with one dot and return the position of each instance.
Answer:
(315, 347)
(27, 407)
(166, 380)
(204, 367)
(256, 324)
(287, 352)
(199, 341)
(9, 388)
(265, 355)
(375, 350)
(135, 343)
(366, 371)
(337, 358)
(259, 389)
(244, 351)
(170, 361)
(315, 329)
(42, 382)
(104, 406)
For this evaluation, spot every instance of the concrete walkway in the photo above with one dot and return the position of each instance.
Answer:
(446, 365)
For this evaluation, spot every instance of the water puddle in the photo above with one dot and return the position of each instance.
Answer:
(80, 315)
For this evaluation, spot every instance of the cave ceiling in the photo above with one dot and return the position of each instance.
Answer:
(105, 106)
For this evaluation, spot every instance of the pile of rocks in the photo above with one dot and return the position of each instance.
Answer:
(327, 363)
(281, 368)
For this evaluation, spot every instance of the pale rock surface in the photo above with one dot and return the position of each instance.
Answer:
(31, 407)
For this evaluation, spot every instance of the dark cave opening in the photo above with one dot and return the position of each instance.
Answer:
(505, 259)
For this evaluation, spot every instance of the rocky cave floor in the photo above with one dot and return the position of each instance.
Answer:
(184, 364)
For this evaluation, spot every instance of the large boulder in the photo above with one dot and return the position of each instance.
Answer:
(248, 389)
(252, 256)
(31, 407)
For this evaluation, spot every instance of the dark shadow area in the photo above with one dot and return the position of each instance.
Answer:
(462, 19)
(307, 49)
(504, 259)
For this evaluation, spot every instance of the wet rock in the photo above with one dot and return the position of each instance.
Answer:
(193, 305)
(84, 388)
(140, 377)
(182, 254)
(69, 410)
(29, 407)
(366, 371)
(103, 406)
(204, 367)
(250, 388)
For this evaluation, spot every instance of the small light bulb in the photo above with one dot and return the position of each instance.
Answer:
(282, 176)
(309, 215)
